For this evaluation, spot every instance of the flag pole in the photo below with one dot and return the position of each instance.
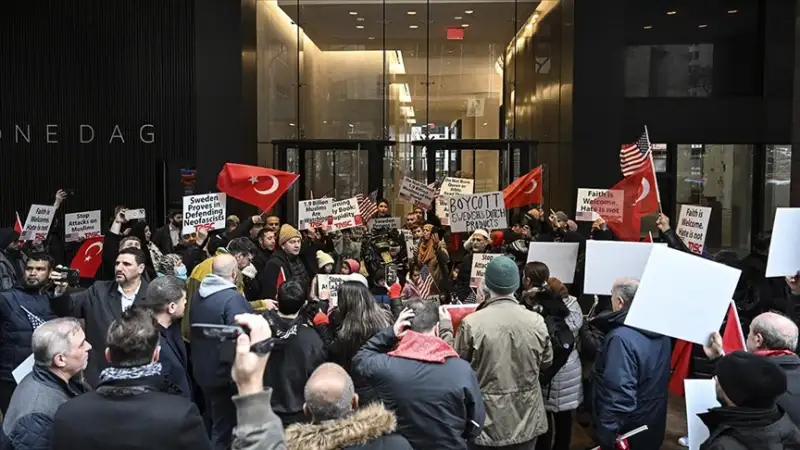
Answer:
(653, 168)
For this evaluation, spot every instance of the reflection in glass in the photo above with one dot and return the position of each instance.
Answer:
(669, 70)
(777, 177)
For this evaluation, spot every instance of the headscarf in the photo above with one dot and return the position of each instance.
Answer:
(426, 250)
(167, 263)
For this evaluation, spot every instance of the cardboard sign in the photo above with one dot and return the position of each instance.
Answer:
(479, 263)
(203, 212)
(409, 238)
(701, 395)
(693, 226)
(392, 223)
(560, 257)
(610, 206)
(82, 225)
(784, 257)
(453, 187)
(23, 369)
(441, 210)
(345, 214)
(416, 193)
(37, 225)
(133, 214)
(315, 213)
(470, 212)
(608, 261)
(328, 286)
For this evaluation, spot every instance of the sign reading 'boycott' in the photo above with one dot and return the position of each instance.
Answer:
(203, 212)
(470, 212)
(607, 203)
(693, 225)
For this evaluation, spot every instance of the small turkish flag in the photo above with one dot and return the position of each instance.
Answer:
(732, 335)
(458, 312)
(258, 186)
(281, 280)
(525, 190)
(639, 199)
(89, 257)
(18, 224)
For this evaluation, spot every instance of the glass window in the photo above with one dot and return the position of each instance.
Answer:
(777, 179)
(669, 70)
(721, 177)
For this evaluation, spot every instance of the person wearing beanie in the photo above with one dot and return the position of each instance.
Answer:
(325, 265)
(748, 386)
(12, 260)
(506, 345)
(477, 243)
(285, 264)
(349, 266)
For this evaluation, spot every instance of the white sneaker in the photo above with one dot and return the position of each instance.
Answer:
(684, 441)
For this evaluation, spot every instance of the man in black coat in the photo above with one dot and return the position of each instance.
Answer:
(444, 409)
(12, 260)
(285, 264)
(102, 303)
(132, 407)
(169, 236)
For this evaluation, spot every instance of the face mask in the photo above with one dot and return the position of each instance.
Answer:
(180, 272)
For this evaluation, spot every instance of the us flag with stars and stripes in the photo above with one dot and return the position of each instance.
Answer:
(368, 205)
(633, 157)
(426, 282)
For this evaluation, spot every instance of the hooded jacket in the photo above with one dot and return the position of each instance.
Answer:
(217, 301)
(631, 376)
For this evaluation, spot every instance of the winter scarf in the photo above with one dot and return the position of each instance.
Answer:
(130, 373)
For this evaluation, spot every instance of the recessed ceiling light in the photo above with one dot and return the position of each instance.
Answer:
(672, 13)
(413, 27)
(469, 11)
(702, 26)
(371, 38)
(464, 25)
(360, 27)
(647, 27)
(457, 17)
(353, 13)
(412, 13)
(733, 11)
(360, 19)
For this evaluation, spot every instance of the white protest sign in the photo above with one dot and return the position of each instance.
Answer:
(452, 187)
(82, 225)
(392, 223)
(784, 247)
(682, 295)
(441, 210)
(37, 225)
(203, 212)
(346, 214)
(23, 369)
(479, 263)
(314, 213)
(132, 214)
(416, 193)
(560, 257)
(701, 395)
(409, 238)
(610, 204)
(608, 261)
(470, 212)
(328, 286)
(693, 226)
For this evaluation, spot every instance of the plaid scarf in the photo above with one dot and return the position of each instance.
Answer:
(130, 373)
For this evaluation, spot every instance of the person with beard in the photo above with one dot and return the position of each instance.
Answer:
(265, 247)
(298, 352)
(12, 260)
(169, 236)
(22, 310)
(477, 243)
(284, 264)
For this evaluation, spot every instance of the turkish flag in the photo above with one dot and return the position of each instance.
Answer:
(17, 224)
(89, 257)
(525, 190)
(458, 312)
(258, 186)
(639, 199)
(732, 335)
(281, 280)
(681, 359)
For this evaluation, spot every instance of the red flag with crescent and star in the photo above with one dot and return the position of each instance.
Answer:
(525, 190)
(258, 186)
(89, 257)
(639, 199)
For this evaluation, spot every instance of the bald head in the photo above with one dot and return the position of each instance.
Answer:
(224, 266)
(772, 331)
(329, 393)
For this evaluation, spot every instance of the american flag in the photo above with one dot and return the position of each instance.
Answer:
(633, 157)
(426, 282)
(368, 205)
(34, 320)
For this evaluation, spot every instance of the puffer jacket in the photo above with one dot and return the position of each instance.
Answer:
(565, 392)
(16, 329)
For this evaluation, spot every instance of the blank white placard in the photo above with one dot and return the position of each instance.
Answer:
(701, 395)
(608, 261)
(682, 295)
(784, 247)
(23, 369)
(560, 257)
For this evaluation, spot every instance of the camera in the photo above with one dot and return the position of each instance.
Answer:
(224, 333)
(70, 276)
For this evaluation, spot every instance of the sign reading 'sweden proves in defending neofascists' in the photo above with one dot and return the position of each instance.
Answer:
(470, 212)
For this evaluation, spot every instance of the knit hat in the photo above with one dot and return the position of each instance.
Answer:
(502, 275)
(353, 265)
(750, 380)
(323, 259)
(287, 232)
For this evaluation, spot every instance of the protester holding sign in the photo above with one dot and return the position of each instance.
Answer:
(432, 255)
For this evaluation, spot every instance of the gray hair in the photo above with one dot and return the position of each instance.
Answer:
(625, 289)
(779, 332)
(52, 338)
(321, 406)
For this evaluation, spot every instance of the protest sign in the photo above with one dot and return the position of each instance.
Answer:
(133, 214)
(784, 256)
(409, 238)
(203, 212)
(328, 286)
(37, 225)
(693, 226)
(315, 213)
(701, 395)
(470, 212)
(610, 206)
(441, 210)
(24, 368)
(392, 223)
(452, 187)
(629, 260)
(479, 263)
(560, 257)
(346, 214)
(82, 225)
(416, 193)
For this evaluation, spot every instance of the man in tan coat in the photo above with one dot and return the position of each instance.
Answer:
(507, 345)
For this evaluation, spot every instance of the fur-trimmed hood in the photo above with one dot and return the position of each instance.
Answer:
(358, 428)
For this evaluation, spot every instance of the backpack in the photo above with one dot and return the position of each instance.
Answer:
(563, 342)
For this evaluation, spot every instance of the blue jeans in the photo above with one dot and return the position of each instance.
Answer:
(223, 415)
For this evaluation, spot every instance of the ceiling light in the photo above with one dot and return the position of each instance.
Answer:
(458, 17)
(360, 19)
(485, 123)
(353, 13)
(672, 13)
(291, 124)
(702, 26)
(412, 13)
(371, 38)
(360, 27)
(413, 27)
(469, 11)
(464, 25)
(733, 11)
(647, 27)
